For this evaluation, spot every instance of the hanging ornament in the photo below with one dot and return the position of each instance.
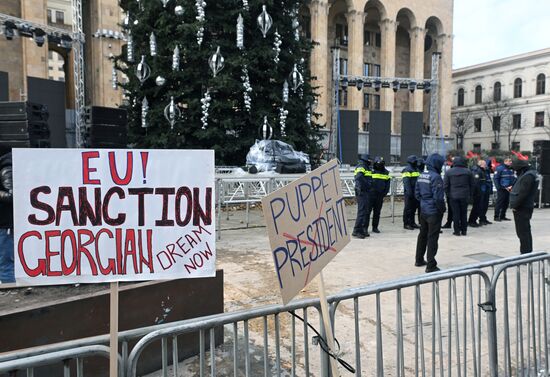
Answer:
(164, 2)
(240, 32)
(143, 71)
(205, 107)
(178, 10)
(296, 26)
(160, 81)
(265, 21)
(200, 35)
(296, 78)
(245, 4)
(247, 89)
(144, 111)
(114, 77)
(265, 129)
(126, 21)
(176, 59)
(130, 47)
(172, 113)
(199, 5)
(277, 46)
(153, 44)
(283, 114)
(216, 62)
(285, 92)
(308, 115)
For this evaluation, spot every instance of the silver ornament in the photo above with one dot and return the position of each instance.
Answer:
(245, 4)
(143, 71)
(264, 21)
(247, 89)
(126, 22)
(114, 77)
(240, 32)
(172, 113)
(266, 130)
(153, 44)
(160, 81)
(165, 2)
(216, 62)
(277, 46)
(199, 5)
(144, 112)
(285, 92)
(130, 47)
(176, 59)
(178, 10)
(205, 107)
(283, 114)
(296, 78)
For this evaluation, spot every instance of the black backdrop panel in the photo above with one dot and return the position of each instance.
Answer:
(349, 133)
(380, 134)
(4, 87)
(411, 134)
(52, 94)
(545, 162)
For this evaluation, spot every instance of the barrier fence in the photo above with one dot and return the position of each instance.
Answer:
(487, 319)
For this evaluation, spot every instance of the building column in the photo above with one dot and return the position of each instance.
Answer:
(35, 59)
(445, 46)
(418, 35)
(320, 58)
(355, 59)
(388, 28)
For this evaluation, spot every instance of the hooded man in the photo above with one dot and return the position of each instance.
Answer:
(429, 191)
(522, 202)
(459, 184)
(6, 220)
(410, 174)
(480, 194)
(504, 181)
(363, 182)
(379, 189)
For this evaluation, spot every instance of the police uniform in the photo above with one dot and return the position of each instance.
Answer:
(480, 196)
(409, 175)
(379, 189)
(504, 178)
(363, 182)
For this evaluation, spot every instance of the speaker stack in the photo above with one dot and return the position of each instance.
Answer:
(24, 125)
(544, 170)
(106, 127)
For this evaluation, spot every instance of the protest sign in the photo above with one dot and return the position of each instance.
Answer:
(91, 216)
(306, 222)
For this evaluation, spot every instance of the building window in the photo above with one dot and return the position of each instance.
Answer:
(495, 146)
(343, 99)
(376, 101)
(497, 92)
(366, 100)
(518, 84)
(49, 13)
(541, 84)
(496, 123)
(344, 67)
(516, 121)
(376, 70)
(342, 34)
(365, 126)
(50, 55)
(477, 148)
(378, 40)
(59, 17)
(366, 38)
(539, 119)
(366, 69)
(516, 146)
(479, 94)
(460, 97)
(60, 68)
(50, 77)
(477, 125)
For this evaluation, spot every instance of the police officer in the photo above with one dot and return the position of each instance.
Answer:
(410, 174)
(363, 182)
(430, 193)
(504, 181)
(379, 189)
(478, 172)
(486, 192)
(522, 202)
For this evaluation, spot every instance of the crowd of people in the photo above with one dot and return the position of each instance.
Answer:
(428, 195)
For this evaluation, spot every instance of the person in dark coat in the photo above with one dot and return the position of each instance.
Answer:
(449, 223)
(410, 174)
(363, 182)
(480, 186)
(6, 220)
(429, 191)
(459, 184)
(379, 189)
(522, 202)
(486, 192)
(504, 181)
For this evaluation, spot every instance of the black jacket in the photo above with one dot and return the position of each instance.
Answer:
(6, 189)
(522, 196)
(459, 181)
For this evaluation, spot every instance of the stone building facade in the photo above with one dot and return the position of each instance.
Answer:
(503, 104)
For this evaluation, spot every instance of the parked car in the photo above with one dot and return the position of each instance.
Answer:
(277, 156)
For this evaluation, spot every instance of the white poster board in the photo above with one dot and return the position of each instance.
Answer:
(92, 216)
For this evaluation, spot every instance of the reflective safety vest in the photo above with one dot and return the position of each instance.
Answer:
(413, 174)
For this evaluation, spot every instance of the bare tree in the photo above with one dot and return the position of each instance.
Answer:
(462, 123)
(498, 114)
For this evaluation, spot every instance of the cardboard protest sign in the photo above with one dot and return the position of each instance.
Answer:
(306, 222)
(90, 216)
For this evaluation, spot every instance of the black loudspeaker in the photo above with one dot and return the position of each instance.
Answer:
(411, 134)
(106, 127)
(545, 189)
(4, 87)
(349, 137)
(545, 162)
(24, 124)
(380, 135)
(105, 115)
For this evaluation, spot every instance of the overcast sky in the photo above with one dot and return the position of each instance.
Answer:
(486, 30)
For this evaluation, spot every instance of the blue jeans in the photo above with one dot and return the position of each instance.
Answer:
(6, 256)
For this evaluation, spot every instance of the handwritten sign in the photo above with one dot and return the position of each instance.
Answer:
(306, 222)
(89, 216)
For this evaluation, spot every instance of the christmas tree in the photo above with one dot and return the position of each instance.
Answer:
(208, 74)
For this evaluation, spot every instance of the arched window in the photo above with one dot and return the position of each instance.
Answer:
(541, 84)
(479, 94)
(518, 85)
(497, 92)
(460, 97)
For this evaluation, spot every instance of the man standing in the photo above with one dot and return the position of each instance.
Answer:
(480, 186)
(486, 192)
(459, 185)
(380, 188)
(410, 175)
(430, 193)
(363, 182)
(504, 180)
(6, 220)
(522, 202)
